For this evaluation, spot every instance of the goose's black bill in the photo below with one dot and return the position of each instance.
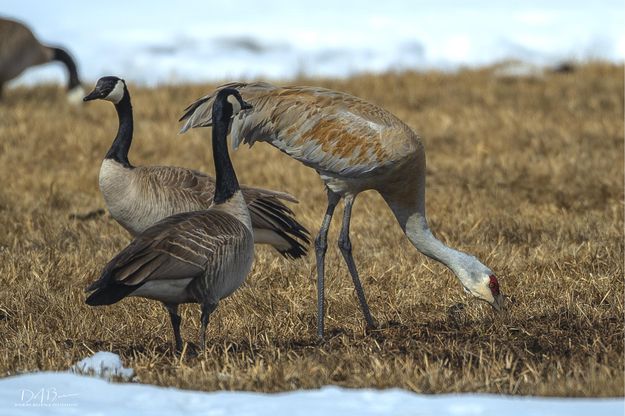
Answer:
(93, 95)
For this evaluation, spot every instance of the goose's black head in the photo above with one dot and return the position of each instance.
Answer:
(229, 103)
(108, 88)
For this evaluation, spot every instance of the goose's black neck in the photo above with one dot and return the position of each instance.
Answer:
(121, 145)
(62, 56)
(226, 181)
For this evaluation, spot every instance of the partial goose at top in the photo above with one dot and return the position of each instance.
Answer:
(20, 49)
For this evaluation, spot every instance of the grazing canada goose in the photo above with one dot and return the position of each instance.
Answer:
(354, 146)
(138, 197)
(200, 256)
(20, 49)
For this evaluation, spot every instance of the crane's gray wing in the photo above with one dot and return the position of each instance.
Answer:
(327, 130)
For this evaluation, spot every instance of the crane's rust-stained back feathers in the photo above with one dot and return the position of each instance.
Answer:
(330, 131)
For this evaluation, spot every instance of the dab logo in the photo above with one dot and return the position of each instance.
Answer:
(46, 397)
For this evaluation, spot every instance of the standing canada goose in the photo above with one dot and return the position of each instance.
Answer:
(354, 146)
(200, 257)
(138, 197)
(20, 49)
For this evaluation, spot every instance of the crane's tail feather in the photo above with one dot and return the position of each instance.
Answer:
(199, 113)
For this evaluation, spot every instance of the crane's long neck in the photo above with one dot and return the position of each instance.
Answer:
(121, 145)
(226, 179)
(416, 228)
(408, 204)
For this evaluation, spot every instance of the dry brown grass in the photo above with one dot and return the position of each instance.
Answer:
(525, 174)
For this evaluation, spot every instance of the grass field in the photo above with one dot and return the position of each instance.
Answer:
(526, 174)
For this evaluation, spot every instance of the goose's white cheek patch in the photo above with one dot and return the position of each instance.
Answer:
(117, 94)
(236, 107)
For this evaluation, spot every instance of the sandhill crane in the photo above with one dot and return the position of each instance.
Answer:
(138, 197)
(354, 146)
(201, 256)
(20, 49)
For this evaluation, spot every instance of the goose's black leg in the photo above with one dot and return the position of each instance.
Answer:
(346, 249)
(321, 245)
(207, 309)
(175, 323)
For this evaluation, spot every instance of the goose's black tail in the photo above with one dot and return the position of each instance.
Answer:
(275, 224)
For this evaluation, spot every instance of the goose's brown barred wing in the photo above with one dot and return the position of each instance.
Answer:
(191, 245)
(196, 186)
(177, 189)
(169, 190)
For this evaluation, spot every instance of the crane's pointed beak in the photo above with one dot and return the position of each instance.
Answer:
(499, 303)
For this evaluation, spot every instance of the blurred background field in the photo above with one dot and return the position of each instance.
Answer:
(162, 42)
(524, 172)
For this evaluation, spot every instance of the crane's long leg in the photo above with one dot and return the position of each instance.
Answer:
(207, 309)
(346, 249)
(321, 245)
(175, 323)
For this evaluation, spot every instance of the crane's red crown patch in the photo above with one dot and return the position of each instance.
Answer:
(494, 285)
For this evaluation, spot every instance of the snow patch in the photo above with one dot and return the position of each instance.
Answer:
(72, 394)
(105, 365)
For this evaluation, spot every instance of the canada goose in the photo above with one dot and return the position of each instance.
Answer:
(20, 49)
(201, 256)
(138, 197)
(354, 146)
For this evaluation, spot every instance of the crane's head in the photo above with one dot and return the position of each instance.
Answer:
(109, 88)
(480, 281)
